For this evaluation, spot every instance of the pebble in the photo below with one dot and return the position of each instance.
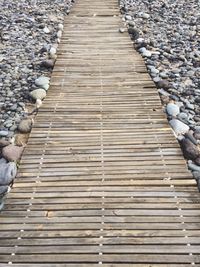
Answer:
(8, 172)
(38, 94)
(146, 53)
(145, 15)
(52, 51)
(190, 151)
(191, 137)
(163, 84)
(128, 17)
(46, 30)
(4, 133)
(42, 82)
(59, 34)
(178, 126)
(134, 33)
(12, 152)
(122, 30)
(25, 125)
(193, 166)
(60, 27)
(49, 63)
(172, 109)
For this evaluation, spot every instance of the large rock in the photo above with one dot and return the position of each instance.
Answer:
(42, 82)
(8, 172)
(38, 94)
(163, 84)
(190, 151)
(12, 152)
(25, 125)
(134, 32)
(179, 127)
(172, 109)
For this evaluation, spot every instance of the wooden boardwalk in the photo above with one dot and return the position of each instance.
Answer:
(102, 181)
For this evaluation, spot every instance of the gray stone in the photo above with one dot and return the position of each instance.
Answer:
(128, 17)
(8, 172)
(25, 125)
(59, 34)
(145, 16)
(122, 30)
(163, 84)
(46, 30)
(196, 174)
(190, 151)
(193, 166)
(146, 53)
(178, 126)
(190, 136)
(38, 94)
(52, 51)
(4, 133)
(163, 92)
(42, 82)
(131, 24)
(172, 109)
(49, 63)
(60, 26)
(134, 32)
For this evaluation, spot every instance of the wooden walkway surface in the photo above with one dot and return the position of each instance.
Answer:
(102, 181)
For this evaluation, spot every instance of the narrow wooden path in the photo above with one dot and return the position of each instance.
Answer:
(102, 181)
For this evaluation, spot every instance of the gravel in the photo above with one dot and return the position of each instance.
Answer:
(29, 31)
(167, 34)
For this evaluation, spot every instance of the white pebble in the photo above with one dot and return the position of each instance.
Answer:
(172, 109)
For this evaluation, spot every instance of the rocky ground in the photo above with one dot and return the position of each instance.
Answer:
(167, 34)
(30, 31)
